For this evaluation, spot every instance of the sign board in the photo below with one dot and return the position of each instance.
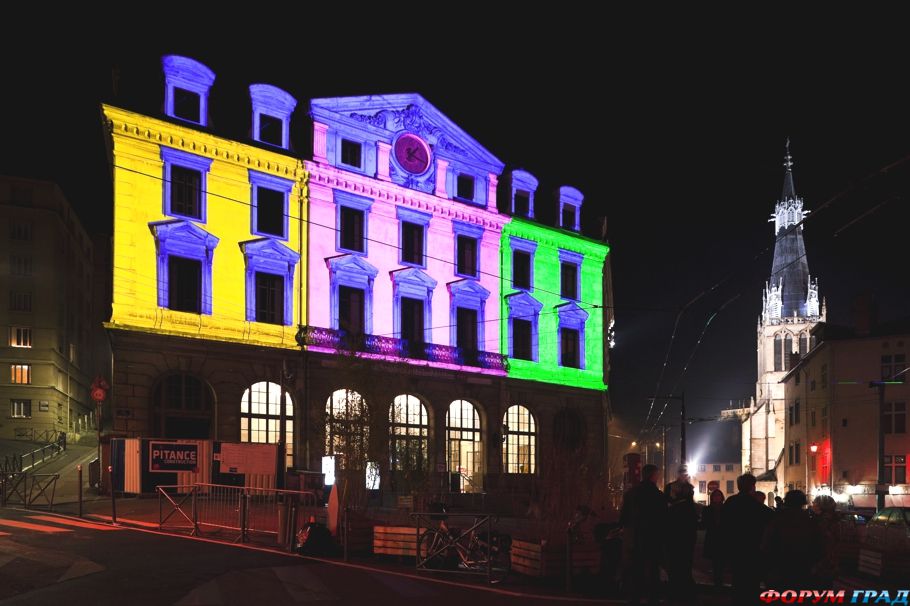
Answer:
(171, 456)
(249, 458)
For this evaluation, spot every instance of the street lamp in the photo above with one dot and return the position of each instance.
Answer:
(634, 443)
(813, 448)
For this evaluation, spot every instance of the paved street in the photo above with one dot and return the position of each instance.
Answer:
(51, 559)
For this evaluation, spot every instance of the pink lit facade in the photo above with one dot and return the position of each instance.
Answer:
(420, 215)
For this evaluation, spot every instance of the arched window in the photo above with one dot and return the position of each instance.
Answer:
(182, 408)
(260, 417)
(347, 432)
(778, 352)
(408, 429)
(803, 344)
(519, 447)
(464, 450)
(788, 349)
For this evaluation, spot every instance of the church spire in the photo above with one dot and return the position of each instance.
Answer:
(789, 189)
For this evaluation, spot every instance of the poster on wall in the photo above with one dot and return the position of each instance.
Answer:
(248, 458)
(168, 457)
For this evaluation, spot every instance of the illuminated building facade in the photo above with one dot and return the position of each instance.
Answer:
(48, 315)
(386, 284)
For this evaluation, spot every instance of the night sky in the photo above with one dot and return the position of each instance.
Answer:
(677, 137)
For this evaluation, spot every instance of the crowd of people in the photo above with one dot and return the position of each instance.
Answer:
(787, 547)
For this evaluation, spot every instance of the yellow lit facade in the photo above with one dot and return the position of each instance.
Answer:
(141, 147)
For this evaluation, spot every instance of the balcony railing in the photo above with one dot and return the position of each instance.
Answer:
(342, 341)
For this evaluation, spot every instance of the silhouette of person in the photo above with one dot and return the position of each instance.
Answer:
(792, 544)
(643, 518)
(713, 547)
(682, 529)
(743, 521)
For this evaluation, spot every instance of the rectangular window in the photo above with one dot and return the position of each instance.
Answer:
(269, 211)
(412, 243)
(894, 418)
(790, 455)
(813, 417)
(824, 377)
(728, 467)
(568, 217)
(467, 256)
(569, 347)
(270, 130)
(186, 192)
(796, 412)
(717, 468)
(186, 104)
(20, 337)
(184, 284)
(20, 301)
(701, 467)
(522, 204)
(351, 229)
(569, 281)
(790, 415)
(729, 487)
(269, 298)
(351, 153)
(796, 450)
(20, 265)
(412, 326)
(20, 231)
(21, 374)
(702, 486)
(895, 469)
(20, 408)
(892, 367)
(351, 310)
(465, 187)
(521, 340)
(521, 269)
(466, 328)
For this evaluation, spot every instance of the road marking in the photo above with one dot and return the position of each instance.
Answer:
(38, 527)
(76, 523)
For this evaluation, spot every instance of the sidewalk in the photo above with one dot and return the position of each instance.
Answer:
(143, 513)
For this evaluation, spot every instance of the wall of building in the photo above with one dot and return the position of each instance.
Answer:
(546, 290)
(138, 170)
(705, 472)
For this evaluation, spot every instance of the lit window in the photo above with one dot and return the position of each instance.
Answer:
(21, 373)
(347, 431)
(464, 450)
(408, 431)
(260, 417)
(702, 486)
(20, 337)
(519, 447)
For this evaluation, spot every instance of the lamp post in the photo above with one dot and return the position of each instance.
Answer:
(682, 425)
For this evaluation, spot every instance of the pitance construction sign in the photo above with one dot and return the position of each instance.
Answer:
(170, 456)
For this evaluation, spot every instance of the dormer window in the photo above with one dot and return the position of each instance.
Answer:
(570, 200)
(272, 109)
(187, 83)
(523, 187)
(465, 187)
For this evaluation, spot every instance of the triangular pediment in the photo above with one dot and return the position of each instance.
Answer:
(523, 301)
(387, 115)
(468, 288)
(412, 275)
(266, 247)
(572, 311)
(351, 263)
(184, 231)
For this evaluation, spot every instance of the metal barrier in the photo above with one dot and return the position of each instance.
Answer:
(234, 509)
(482, 554)
(28, 489)
(15, 463)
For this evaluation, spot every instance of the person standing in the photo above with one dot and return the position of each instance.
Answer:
(713, 547)
(828, 523)
(682, 530)
(743, 521)
(792, 544)
(643, 518)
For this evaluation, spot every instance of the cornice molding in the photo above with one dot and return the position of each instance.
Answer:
(144, 128)
(327, 176)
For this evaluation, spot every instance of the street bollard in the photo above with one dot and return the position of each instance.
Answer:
(113, 497)
(79, 480)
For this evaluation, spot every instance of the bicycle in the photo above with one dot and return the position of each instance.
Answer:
(471, 550)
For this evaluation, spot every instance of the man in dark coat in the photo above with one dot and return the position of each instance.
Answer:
(682, 528)
(643, 518)
(743, 521)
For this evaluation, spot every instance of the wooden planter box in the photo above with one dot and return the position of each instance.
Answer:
(543, 558)
(395, 540)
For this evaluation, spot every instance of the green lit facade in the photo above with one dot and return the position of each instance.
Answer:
(548, 311)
